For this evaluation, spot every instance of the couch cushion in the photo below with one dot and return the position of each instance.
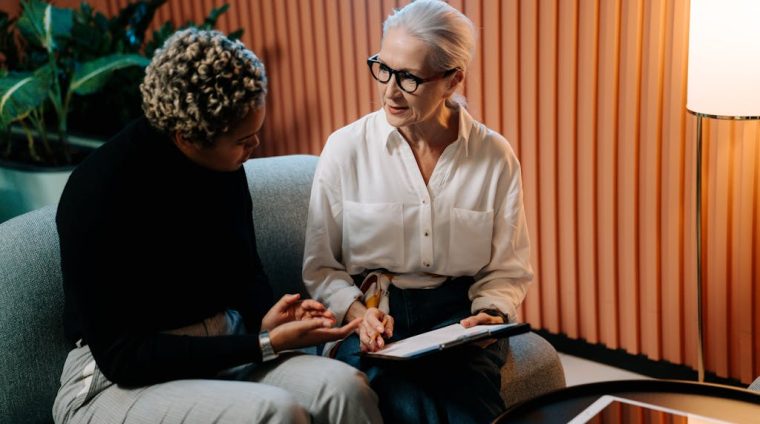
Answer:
(280, 190)
(33, 347)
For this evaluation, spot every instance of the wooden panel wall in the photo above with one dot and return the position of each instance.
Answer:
(591, 94)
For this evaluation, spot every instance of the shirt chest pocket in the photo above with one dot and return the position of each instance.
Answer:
(470, 241)
(374, 234)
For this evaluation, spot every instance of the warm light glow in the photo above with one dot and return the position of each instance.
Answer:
(724, 57)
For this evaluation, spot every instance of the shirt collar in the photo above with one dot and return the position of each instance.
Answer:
(465, 129)
(391, 135)
(386, 131)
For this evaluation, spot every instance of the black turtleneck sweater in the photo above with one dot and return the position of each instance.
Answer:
(151, 241)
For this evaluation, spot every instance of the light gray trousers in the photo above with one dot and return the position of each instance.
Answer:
(294, 388)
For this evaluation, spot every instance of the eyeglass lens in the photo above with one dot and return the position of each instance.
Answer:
(383, 74)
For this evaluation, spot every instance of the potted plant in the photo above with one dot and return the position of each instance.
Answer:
(63, 63)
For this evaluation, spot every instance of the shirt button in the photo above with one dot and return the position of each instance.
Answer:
(424, 201)
(427, 265)
(426, 233)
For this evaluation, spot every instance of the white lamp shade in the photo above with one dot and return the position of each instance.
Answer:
(724, 58)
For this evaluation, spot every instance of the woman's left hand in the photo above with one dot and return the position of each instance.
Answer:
(290, 307)
(481, 318)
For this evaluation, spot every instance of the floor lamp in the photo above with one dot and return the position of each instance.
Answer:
(723, 83)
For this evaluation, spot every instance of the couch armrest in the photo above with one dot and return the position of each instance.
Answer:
(33, 346)
(532, 368)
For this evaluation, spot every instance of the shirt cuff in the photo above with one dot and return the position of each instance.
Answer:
(495, 313)
(341, 300)
(482, 303)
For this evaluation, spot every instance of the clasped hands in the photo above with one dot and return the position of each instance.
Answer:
(294, 323)
(376, 326)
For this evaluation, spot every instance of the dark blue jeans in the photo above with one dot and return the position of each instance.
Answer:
(460, 385)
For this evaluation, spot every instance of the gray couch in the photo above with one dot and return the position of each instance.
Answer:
(32, 346)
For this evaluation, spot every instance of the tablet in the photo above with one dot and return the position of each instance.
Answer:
(612, 409)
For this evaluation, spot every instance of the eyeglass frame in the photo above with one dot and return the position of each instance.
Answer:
(406, 75)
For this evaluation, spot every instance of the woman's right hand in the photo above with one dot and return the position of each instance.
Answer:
(309, 332)
(375, 326)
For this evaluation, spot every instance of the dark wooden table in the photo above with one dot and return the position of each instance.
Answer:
(709, 400)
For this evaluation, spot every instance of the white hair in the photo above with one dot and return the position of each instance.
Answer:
(449, 34)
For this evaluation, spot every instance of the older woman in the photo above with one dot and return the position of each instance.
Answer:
(165, 296)
(433, 200)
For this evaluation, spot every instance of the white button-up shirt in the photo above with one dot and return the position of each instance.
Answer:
(370, 208)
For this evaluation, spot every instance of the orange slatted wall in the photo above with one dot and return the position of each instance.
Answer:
(591, 93)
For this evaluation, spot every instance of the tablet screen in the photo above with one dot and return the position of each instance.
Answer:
(612, 409)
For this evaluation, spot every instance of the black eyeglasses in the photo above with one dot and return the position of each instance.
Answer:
(406, 81)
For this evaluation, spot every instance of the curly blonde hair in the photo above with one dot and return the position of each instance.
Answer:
(200, 83)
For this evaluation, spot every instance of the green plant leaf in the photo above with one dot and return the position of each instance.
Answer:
(22, 92)
(236, 35)
(213, 16)
(133, 21)
(43, 24)
(160, 36)
(91, 76)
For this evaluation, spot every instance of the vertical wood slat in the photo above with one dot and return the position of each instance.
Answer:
(565, 135)
(491, 53)
(245, 16)
(306, 63)
(628, 153)
(348, 70)
(472, 85)
(375, 19)
(591, 95)
(271, 55)
(673, 180)
(588, 56)
(608, 91)
(528, 70)
(509, 23)
(286, 83)
(299, 76)
(256, 32)
(322, 70)
(232, 18)
(510, 98)
(335, 62)
(649, 177)
(742, 265)
(362, 49)
(547, 11)
(720, 156)
(197, 11)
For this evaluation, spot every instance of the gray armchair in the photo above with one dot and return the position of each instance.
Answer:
(33, 347)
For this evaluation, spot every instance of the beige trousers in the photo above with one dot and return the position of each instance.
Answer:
(294, 388)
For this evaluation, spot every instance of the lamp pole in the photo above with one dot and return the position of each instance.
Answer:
(722, 83)
(700, 330)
